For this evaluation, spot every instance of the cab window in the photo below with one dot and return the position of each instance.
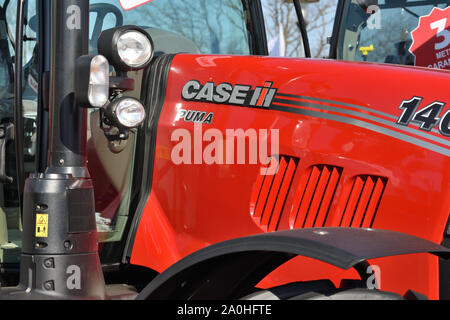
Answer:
(380, 31)
(199, 26)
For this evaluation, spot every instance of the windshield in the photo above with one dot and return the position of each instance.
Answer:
(217, 27)
(382, 31)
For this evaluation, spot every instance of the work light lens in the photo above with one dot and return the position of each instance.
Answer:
(130, 112)
(134, 48)
(98, 90)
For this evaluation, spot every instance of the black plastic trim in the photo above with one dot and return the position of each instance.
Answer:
(256, 27)
(336, 29)
(302, 27)
(227, 269)
(154, 83)
(444, 267)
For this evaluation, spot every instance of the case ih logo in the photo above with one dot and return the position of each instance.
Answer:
(226, 93)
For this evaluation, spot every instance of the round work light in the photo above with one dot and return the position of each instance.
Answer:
(126, 112)
(126, 48)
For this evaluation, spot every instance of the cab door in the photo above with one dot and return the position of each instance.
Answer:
(10, 216)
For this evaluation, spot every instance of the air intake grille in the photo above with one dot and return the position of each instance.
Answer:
(270, 193)
(313, 196)
(360, 200)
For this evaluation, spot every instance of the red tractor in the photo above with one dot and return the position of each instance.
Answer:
(157, 152)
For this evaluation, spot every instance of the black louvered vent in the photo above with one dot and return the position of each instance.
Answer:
(270, 193)
(359, 201)
(314, 195)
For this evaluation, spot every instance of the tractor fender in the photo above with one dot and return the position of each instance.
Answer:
(228, 269)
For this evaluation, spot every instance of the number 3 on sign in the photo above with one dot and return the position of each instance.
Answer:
(441, 32)
(131, 4)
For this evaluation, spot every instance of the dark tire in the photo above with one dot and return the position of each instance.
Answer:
(320, 290)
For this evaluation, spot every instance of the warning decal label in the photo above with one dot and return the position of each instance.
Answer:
(431, 40)
(41, 225)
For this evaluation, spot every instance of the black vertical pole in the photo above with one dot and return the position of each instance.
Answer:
(70, 39)
(302, 26)
(59, 241)
(18, 110)
(44, 49)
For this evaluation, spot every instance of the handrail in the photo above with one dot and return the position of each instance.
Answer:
(18, 111)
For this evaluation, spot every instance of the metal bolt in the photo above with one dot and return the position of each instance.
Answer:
(49, 285)
(68, 245)
(61, 162)
(48, 263)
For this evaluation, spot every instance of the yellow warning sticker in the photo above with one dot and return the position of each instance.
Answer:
(42, 225)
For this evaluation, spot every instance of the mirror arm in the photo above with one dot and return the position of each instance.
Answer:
(302, 26)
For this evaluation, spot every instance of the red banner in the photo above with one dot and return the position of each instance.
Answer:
(431, 40)
(131, 4)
